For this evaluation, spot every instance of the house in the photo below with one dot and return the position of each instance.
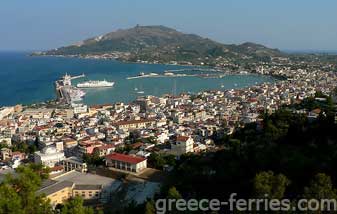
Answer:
(314, 114)
(105, 150)
(182, 145)
(70, 143)
(126, 163)
(6, 153)
(56, 170)
(18, 155)
(87, 147)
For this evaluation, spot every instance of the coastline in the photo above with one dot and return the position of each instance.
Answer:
(150, 93)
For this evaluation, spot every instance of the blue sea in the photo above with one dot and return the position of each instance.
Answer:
(25, 79)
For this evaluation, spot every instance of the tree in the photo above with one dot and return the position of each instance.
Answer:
(41, 170)
(156, 161)
(272, 185)
(173, 193)
(320, 187)
(93, 159)
(75, 206)
(10, 201)
(18, 193)
(150, 208)
(235, 146)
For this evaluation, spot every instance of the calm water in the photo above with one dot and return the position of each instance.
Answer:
(26, 79)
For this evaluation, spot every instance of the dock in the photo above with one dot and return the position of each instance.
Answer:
(204, 73)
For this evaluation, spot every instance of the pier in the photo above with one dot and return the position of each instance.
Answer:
(205, 73)
(65, 92)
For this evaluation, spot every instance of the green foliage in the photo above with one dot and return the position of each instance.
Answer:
(24, 147)
(93, 159)
(150, 207)
(133, 207)
(320, 187)
(320, 94)
(272, 185)
(18, 192)
(40, 170)
(162, 44)
(75, 206)
(125, 149)
(284, 146)
(10, 201)
(150, 140)
(158, 160)
(173, 193)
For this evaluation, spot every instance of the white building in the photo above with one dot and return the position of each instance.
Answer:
(6, 111)
(49, 156)
(80, 108)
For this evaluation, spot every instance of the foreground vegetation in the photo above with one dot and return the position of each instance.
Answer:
(287, 155)
(18, 194)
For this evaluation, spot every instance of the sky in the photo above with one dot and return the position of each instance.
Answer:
(283, 24)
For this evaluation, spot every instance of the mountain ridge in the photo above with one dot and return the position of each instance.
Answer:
(161, 43)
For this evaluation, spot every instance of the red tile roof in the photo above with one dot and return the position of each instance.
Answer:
(107, 146)
(56, 168)
(316, 111)
(125, 158)
(133, 122)
(137, 145)
(182, 138)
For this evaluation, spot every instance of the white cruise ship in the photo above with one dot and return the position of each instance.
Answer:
(95, 84)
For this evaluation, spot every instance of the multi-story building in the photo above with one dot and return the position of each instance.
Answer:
(73, 183)
(49, 156)
(182, 145)
(87, 147)
(134, 124)
(5, 111)
(105, 150)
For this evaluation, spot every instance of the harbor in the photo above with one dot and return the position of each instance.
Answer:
(65, 92)
(41, 86)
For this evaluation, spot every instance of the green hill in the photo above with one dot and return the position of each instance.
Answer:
(163, 44)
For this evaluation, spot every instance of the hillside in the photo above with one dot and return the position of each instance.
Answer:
(163, 44)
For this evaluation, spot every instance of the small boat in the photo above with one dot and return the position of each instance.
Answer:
(140, 92)
(235, 84)
(222, 85)
(136, 89)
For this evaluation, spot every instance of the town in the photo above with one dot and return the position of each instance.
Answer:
(92, 151)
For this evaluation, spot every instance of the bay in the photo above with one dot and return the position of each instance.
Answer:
(25, 79)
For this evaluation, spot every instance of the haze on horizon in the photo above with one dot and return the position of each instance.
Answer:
(287, 25)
